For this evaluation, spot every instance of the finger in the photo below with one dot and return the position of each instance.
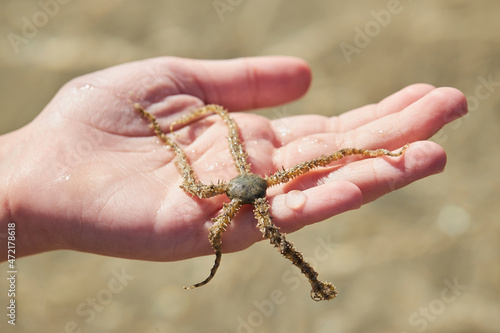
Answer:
(295, 209)
(236, 84)
(419, 121)
(291, 128)
(249, 83)
(389, 105)
(378, 176)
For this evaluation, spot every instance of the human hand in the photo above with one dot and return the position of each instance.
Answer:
(87, 174)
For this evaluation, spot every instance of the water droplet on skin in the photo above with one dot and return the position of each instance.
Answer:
(87, 87)
(307, 144)
(295, 199)
(63, 178)
(208, 224)
(211, 167)
(284, 131)
(215, 166)
(380, 132)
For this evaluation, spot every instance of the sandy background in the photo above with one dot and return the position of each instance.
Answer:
(394, 260)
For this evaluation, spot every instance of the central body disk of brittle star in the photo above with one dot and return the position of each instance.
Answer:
(249, 188)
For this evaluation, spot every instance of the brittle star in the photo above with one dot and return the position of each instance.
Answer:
(249, 188)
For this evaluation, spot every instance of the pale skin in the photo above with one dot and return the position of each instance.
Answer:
(87, 174)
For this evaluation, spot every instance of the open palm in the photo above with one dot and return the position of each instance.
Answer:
(88, 174)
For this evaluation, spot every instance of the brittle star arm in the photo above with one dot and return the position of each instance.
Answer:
(283, 176)
(235, 145)
(190, 183)
(320, 290)
(215, 236)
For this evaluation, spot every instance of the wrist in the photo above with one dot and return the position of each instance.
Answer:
(27, 239)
